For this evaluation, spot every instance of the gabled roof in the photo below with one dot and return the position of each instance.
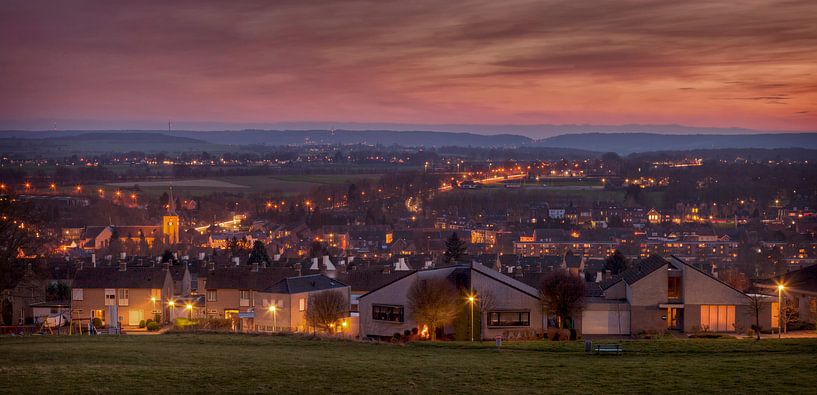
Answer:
(311, 283)
(112, 277)
(643, 268)
(244, 278)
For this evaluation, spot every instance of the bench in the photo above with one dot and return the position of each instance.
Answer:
(608, 348)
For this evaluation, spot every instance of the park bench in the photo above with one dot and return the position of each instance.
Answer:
(608, 348)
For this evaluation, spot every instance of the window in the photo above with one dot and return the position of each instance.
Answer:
(110, 297)
(123, 296)
(76, 294)
(673, 287)
(244, 297)
(718, 318)
(301, 304)
(387, 313)
(212, 296)
(509, 318)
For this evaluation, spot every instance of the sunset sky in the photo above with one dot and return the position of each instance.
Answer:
(750, 64)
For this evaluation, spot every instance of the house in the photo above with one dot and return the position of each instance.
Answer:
(657, 295)
(282, 306)
(799, 287)
(230, 291)
(132, 293)
(510, 308)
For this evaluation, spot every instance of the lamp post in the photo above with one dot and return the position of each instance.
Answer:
(780, 288)
(274, 312)
(471, 300)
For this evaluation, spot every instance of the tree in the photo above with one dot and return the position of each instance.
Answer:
(756, 302)
(791, 314)
(259, 254)
(325, 309)
(433, 303)
(562, 294)
(58, 291)
(19, 237)
(616, 263)
(735, 278)
(454, 248)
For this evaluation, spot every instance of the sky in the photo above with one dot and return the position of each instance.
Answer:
(113, 64)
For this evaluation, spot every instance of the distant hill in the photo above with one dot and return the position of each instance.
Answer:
(293, 137)
(627, 143)
(373, 137)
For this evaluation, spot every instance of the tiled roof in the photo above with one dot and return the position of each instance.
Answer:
(643, 268)
(244, 278)
(295, 285)
(112, 277)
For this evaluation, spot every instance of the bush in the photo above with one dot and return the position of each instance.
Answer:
(142, 324)
(97, 322)
(407, 333)
(153, 326)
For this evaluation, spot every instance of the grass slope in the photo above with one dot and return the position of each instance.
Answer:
(224, 363)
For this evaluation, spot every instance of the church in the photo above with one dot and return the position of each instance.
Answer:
(139, 236)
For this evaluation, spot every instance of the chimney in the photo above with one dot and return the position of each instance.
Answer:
(79, 264)
(351, 259)
(211, 266)
(608, 274)
(123, 266)
(428, 264)
(123, 255)
(236, 260)
(93, 260)
(255, 267)
(167, 266)
(201, 256)
(276, 257)
(314, 265)
(599, 277)
(158, 259)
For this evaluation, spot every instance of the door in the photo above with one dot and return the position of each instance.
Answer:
(675, 319)
(134, 316)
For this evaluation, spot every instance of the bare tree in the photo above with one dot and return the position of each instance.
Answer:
(486, 301)
(562, 294)
(325, 309)
(433, 303)
(791, 314)
(756, 302)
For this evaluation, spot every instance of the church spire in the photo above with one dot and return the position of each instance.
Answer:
(171, 204)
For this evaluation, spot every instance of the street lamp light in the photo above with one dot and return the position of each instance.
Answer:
(274, 312)
(780, 288)
(471, 300)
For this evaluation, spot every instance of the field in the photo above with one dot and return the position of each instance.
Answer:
(253, 364)
(278, 184)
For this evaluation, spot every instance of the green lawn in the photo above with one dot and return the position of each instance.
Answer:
(235, 363)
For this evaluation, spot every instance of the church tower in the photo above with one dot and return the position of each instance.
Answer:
(170, 222)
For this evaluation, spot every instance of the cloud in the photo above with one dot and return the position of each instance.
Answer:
(420, 61)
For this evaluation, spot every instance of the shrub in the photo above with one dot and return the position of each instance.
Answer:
(97, 322)
(407, 333)
(142, 324)
(153, 326)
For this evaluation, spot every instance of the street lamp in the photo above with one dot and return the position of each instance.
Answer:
(274, 312)
(780, 288)
(471, 300)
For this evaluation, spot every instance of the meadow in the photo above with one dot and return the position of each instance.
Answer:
(205, 363)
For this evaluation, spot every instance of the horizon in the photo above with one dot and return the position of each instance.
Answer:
(552, 63)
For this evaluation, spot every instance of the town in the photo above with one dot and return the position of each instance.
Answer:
(136, 246)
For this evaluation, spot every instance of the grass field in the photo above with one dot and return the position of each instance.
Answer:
(225, 363)
(285, 185)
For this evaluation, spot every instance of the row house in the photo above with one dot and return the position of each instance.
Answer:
(283, 306)
(125, 295)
